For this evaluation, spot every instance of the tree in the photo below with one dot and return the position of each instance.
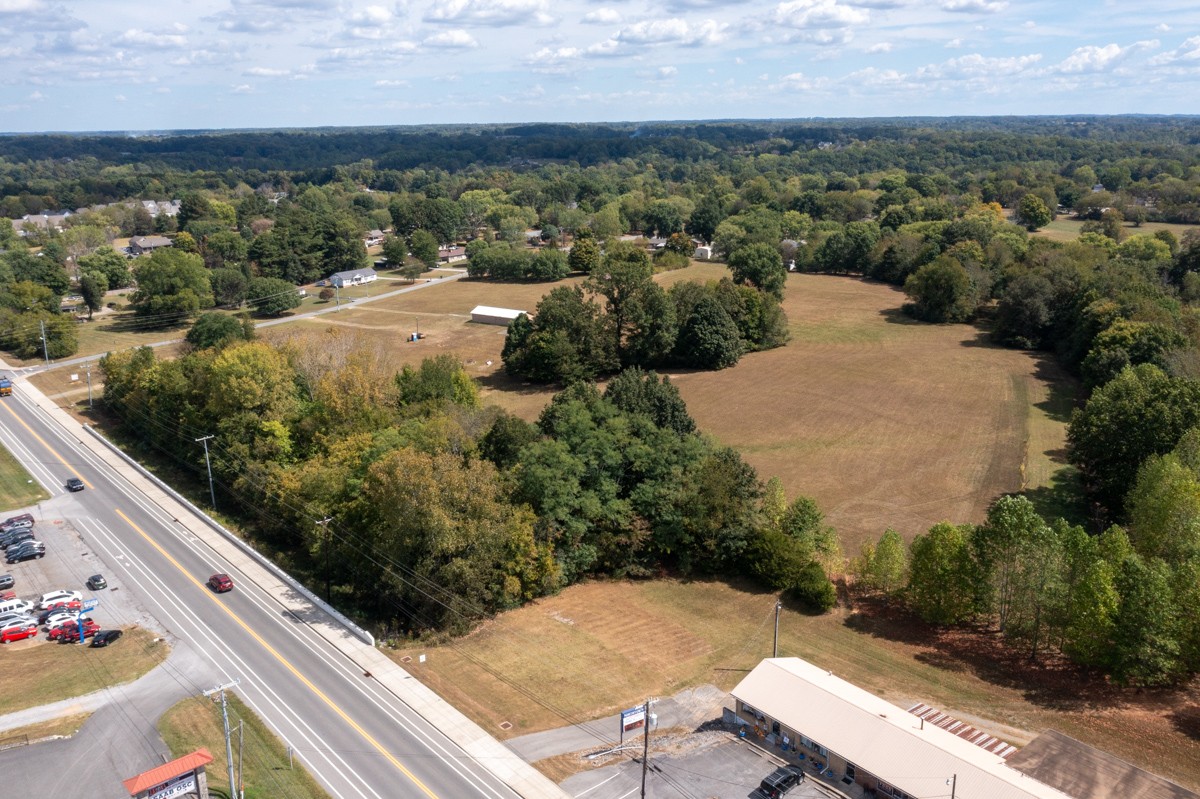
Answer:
(92, 287)
(192, 206)
(424, 247)
(636, 391)
(215, 330)
(439, 380)
(228, 287)
(395, 250)
(110, 263)
(1033, 213)
(885, 568)
(623, 277)
(708, 338)
(1146, 648)
(704, 220)
(584, 256)
(761, 266)
(271, 296)
(940, 291)
(942, 584)
(812, 589)
(172, 285)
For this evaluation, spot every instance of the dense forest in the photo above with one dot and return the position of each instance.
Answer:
(445, 511)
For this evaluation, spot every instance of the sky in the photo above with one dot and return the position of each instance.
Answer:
(138, 65)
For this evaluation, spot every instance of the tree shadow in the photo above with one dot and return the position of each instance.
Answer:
(1186, 720)
(1064, 497)
(896, 316)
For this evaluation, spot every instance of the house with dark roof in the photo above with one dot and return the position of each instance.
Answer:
(142, 245)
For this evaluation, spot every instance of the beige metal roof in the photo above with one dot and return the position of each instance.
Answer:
(880, 737)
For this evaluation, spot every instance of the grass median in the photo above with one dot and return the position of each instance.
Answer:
(18, 489)
(267, 771)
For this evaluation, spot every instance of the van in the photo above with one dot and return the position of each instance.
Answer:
(19, 605)
(780, 781)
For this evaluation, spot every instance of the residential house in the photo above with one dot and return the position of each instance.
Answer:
(450, 255)
(142, 245)
(373, 238)
(353, 277)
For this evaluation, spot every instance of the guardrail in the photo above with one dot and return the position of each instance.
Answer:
(234, 539)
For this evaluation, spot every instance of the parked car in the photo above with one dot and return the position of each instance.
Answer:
(59, 617)
(7, 581)
(70, 634)
(62, 595)
(780, 782)
(75, 484)
(60, 627)
(26, 553)
(71, 608)
(105, 637)
(17, 622)
(15, 615)
(18, 605)
(18, 633)
(220, 583)
(22, 522)
(29, 543)
(15, 536)
(5, 595)
(97, 582)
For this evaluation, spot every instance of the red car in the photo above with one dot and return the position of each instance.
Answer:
(18, 633)
(220, 583)
(69, 634)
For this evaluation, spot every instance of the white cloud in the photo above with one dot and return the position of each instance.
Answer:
(17, 6)
(374, 15)
(954, 44)
(1186, 54)
(242, 88)
(974, 6)
(880, 47)
(388, 83)
(1091, 58)
(456, 38)
(602, 16)
(672, 31)
(554, 60)
(37, 96)
(156, 41)
(806, 14)
(490, 12)
(120, 98)
(266, 72)
(796, 82)
(604, 49)
(1162, 27)
(975, 66)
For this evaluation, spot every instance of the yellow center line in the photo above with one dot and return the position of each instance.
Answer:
(317, 691)
(49, 448)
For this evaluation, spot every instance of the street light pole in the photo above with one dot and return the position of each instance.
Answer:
(325, 523)
(953, 785)
(775, 648)
(211, 492)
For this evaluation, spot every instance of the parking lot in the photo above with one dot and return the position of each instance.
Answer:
(715, 766)
(67, 564)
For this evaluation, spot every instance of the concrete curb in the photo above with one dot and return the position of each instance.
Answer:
(262, 560)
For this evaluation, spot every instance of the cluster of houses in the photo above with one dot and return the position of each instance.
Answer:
(56, 220)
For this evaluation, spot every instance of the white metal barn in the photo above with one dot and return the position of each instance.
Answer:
(487, 315)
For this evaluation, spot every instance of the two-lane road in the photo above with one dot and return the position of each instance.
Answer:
(357, 738)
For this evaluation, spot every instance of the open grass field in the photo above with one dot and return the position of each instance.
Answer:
(1069, 228)
(600, 647)
(36, 672)
(197, 722)
(17, 486)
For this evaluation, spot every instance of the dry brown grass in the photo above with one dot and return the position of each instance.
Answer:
(600, 647)
(1069, 228)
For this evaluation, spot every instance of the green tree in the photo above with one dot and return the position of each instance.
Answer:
(271, 296)
(886, 568)
(940, 291)
(215, 330)
(92, 287)
(110, 263)
(229, 287)
(437, 381)
(1164, 510)
(761, 266)
(172, 285)
(813, 590)
(395, 250)
(1033, 213)
(584, 256)
(708, 337)
(624, 277)
(424, 247)
(636, 391)
(942, 586)
(704, 220)
(1146, 648)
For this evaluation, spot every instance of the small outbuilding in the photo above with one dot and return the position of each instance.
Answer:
(353, 277)
(487, 315)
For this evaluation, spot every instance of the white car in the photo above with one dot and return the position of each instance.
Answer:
(15, 616)
(17, 624)
(54, 597)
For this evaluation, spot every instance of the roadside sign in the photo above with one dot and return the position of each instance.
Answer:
(632, 719)
(89, 604)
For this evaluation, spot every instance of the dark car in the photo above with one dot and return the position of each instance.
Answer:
(105, 637)
(22, 522)
(7, 581)
(97, 582)
(780, 781)
(15, 537)
(220, 583)
(29, 553)
(74, 484)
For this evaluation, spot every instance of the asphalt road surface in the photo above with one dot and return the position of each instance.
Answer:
(355, 737)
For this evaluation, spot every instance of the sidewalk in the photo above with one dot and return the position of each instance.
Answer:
(477, 743)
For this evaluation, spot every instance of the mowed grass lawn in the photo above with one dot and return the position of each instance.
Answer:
(18, 489)
(1069, 228)
(196, 722)
(600, 647)
(36, 671)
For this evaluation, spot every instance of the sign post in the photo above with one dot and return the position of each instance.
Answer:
(89, 604)
(632, 719)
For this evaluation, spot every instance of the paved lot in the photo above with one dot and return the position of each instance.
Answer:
(721, 768)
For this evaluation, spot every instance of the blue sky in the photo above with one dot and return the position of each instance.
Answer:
(142, 65)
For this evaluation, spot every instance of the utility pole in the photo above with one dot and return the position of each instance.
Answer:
(89, 378)
(325, 523)
(211, 492)
(241, 791)
(220, 689)
(45, 344)
(337, 294)
(953, 785)
(775, 649)
(645, 743)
